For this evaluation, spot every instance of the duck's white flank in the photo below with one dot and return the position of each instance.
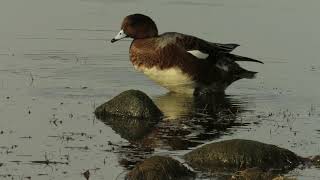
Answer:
(198, 54)
(173, 79)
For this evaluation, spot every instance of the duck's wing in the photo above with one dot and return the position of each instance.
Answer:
(225, 47)
(203, 49)
(190, 43)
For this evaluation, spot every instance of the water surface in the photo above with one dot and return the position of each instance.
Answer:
(57, 65)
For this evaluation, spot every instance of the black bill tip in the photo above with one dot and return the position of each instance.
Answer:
(113, 40)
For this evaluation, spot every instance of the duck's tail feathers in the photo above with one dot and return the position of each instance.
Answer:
(241, 58)
(226, 47)
(246, 74)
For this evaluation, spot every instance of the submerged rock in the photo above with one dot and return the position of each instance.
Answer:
(131, 103)
(159, 168)
(132, 114)
(239, 154)
(257, 173)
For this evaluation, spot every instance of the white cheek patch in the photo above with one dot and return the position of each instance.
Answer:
(198, 54)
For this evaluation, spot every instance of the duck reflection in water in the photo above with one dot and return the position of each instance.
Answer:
(181, 106)
(196, 119)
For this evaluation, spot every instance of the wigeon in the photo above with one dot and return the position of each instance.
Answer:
(179, 62)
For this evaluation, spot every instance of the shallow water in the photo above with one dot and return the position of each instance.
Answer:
(57, 65)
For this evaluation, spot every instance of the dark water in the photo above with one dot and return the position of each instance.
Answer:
(57, 65)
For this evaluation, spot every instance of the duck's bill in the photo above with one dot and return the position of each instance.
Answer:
(119, 36)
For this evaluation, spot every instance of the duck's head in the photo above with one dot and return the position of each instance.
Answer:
(137, 26)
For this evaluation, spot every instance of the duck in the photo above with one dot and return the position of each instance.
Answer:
(179, 62)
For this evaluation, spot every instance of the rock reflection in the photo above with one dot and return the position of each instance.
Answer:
(132, 129)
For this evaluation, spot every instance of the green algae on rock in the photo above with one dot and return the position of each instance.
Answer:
(239, 154)
(130, 103)
(160, 168)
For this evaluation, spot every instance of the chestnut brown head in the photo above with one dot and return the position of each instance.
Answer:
(137, 26)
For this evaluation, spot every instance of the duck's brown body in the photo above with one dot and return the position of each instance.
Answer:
(155, 60)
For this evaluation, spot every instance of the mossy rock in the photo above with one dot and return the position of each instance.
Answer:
(239, 154)
(131, 103)
(159, 168)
